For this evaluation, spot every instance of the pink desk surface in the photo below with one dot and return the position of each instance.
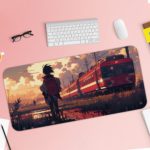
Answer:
(115, 132)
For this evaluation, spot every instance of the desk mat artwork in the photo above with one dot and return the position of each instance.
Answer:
(74, 88)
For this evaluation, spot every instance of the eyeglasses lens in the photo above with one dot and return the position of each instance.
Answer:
(16, 38)
(27, 34)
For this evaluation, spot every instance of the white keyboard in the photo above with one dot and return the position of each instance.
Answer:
(72, 32)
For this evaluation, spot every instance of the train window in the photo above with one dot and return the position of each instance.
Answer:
(124, 68)
(107, 71)
(118, 69)
(88, 79)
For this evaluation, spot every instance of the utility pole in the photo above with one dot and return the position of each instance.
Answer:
(127, 52)
(95, 57)
(63, 83)
(86, 64)
(72, 77)
(96, 71)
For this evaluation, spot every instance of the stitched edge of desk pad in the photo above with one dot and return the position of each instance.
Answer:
(74, 88)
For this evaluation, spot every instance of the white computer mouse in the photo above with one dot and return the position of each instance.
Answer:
(121, 29)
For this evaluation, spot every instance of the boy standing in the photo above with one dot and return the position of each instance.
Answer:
(50, 90)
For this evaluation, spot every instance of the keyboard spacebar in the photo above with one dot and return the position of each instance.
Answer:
(71, 42)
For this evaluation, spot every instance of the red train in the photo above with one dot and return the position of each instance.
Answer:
(110, 74)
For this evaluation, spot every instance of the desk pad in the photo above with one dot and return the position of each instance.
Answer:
(74, 88)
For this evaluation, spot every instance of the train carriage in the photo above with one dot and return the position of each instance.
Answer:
(70, 91)
(113, 73)
(118, 73)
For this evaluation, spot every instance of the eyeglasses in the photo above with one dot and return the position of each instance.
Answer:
(26, 34)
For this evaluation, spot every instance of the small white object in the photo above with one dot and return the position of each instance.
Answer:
(5, 124)
(121, 29)
(146, 115)
(72, 32)
(1, 55)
